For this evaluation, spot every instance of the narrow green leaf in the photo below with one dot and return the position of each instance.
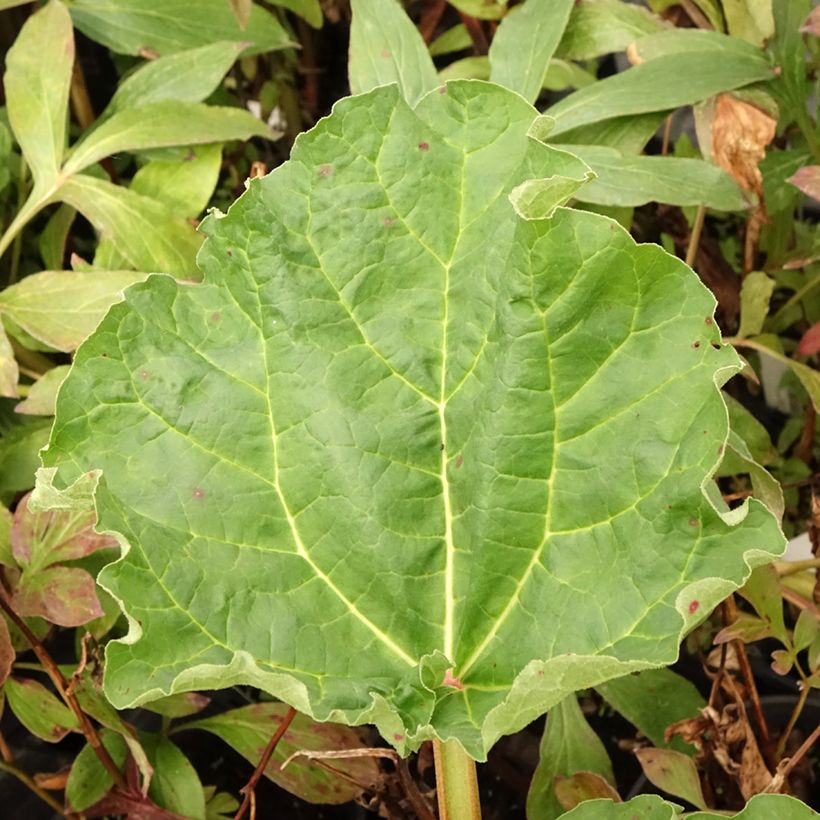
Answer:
(88, 780)
(569, 745)
(658, 85)
(385, 47)
(43, 393)
(187, 76)
(37, 80)
(39, 710)
(354, 318)
(249, 728)
(9, 372)
(562, 74)
(673, 772)
(524, 44)
(631, 180)
(652, 700)
(53, 238)
(751, 20)
(697, 41)
(168, 26)
(175, 784)
(308, 10)
(161, 124)
(456, 38)
(599, 27)
(755, 294)
(629, 134)
(20, 448)
(467, 68)
(185, 186)
(145, 231)
(62, 308)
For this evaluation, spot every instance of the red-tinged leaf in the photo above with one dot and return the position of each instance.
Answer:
(6, 650)
(810, 343)
(39, 710)
(746, 628)
(66, 596)
(39, 539)
(807, 179)
(576, 788)
(812, 24)
(782, 661)
(177, 706)
(249, 728)
(673, 772)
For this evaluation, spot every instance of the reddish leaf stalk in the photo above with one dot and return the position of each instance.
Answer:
(249, 801)
(801, 752)
(61, 685)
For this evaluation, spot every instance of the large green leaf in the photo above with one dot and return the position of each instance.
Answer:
(660, 84)
(650, 807)
(399, 427)
(37, 90)
(524, 44)
(168, 26)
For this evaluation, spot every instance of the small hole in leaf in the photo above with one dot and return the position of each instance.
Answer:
(696, 345)
(716, 346)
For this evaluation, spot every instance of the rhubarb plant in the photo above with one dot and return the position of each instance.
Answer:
(425, 449)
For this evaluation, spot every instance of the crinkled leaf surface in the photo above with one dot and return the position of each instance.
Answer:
(404, 457)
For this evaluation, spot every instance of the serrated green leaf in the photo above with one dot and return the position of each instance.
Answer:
(392, 389)
(631, 180)
(651, 807)
(37, 80)
(143, 230)
(185, 186)
(42, 394)
(385, 47)
(169, 26)
(175, 784)
(187, 76)
(522, 47)
(660, 84)
(39, 710)
(652, 700)
(62, 308)
(248, 730)
(599, 27)
(88, 780)
(569, 745)
(161, 124)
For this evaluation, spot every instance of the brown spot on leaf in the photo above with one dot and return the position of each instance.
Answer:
(451, 681)
(216, 316)
(693, 522)
(325, 170)
(198, 493)
(442, 89)
(144, 375)
(398, 737)
(424, 146)
(388, 222)
(693, 607)
(709, 320)
(459, 462)
(229, 252)
(386, 53)
(696, 345)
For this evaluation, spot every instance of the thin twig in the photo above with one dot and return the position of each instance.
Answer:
(796, 712)
(667, 133)
(473, 26)
(694, 239)
(430, 19)
(801, 752)
(249, 801)
(30, 784)
(748, 678)
(61, 685)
